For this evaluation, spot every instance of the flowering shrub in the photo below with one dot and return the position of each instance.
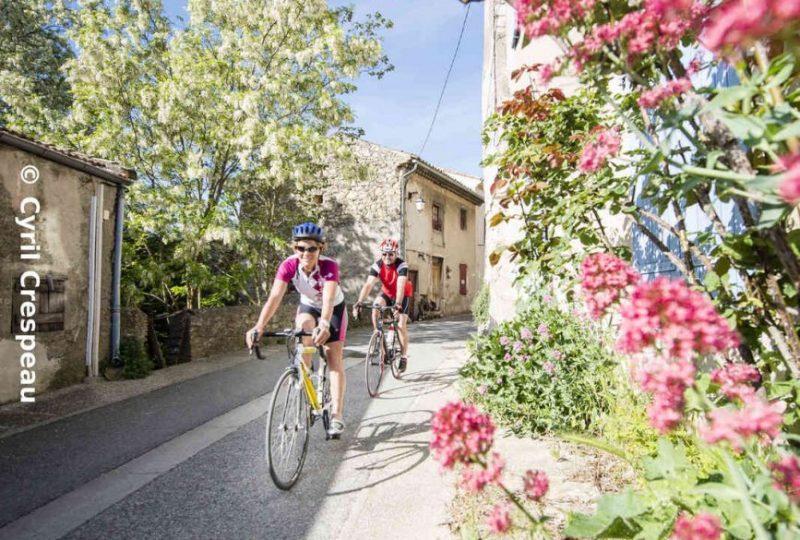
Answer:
(544, 371)
(563, 170)
(738, 431)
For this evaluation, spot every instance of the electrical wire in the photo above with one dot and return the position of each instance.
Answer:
(446, 79)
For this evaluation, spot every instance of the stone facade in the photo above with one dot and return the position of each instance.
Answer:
(64, 190)
(361, 209)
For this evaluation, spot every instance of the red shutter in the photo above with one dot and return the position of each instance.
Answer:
(462, 279)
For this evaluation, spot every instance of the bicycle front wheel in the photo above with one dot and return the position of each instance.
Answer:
(287, 430)
(373, 364)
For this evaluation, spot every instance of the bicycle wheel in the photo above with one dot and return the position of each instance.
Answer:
(287, 430)
(373, 364)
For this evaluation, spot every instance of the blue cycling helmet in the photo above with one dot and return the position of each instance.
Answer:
(308, 230)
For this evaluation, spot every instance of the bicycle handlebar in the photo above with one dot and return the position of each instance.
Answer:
(287, 333)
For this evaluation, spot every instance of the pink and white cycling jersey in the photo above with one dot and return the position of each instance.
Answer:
(310, 286)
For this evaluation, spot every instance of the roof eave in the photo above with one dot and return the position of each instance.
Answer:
(64, 159)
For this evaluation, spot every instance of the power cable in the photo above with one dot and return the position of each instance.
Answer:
(446, 79)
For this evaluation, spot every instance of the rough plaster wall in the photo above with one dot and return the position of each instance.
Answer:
(62, 229)
(452, 244)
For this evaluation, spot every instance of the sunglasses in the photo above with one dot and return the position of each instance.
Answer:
(388, 254)
(304, 249)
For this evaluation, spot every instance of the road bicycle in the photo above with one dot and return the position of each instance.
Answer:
(301, 397)
(383, 350)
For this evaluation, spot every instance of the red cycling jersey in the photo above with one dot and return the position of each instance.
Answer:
(388, 275)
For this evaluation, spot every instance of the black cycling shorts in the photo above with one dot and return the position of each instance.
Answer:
(390, 302)
(338, 327)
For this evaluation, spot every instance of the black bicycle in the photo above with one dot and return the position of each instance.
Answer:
(301, 396)
(383, 350)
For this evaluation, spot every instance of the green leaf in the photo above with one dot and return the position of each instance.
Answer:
(712, 281)
(771, 214)
(719, 491)
(792, 130)
(743, 127)
(729, 96)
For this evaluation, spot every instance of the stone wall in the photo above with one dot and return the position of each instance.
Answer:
(360, 207)
(133, 323)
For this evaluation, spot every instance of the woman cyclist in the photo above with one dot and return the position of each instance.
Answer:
(322, 309)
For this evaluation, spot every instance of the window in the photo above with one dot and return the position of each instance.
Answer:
(437, 217)
(49, 302)
(462, 279)
(463, 219)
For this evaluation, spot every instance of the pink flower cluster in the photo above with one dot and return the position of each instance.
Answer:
(703, 526)
(475, 478)
(756, 417)
(667, 314)
(661, 23)
(526, 334)
(543, 330)
(651, 99)
(536, 484)
(603, 277)
(787, 477)
(738, 23)
(549, 367)
(460, 434)
(789, 190)
(499, 520)
(539, 18)
(605, 145)
(667, 380)
(733, 379)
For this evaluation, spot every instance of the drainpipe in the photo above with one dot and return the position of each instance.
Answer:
(403, 184)
(98, 273)
(91, 281)
(116, 276)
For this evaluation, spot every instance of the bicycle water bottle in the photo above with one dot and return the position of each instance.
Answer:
(390, 335)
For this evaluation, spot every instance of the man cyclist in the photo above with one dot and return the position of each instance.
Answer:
(322, 308)
(396, 291)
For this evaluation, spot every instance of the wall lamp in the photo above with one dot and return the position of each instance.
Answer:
(419, 204)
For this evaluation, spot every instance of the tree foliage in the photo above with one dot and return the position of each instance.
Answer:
(227, 121)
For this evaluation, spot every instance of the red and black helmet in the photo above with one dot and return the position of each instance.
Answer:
(388, 245)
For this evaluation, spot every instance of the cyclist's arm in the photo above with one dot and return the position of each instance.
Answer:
(401, 290)
(367, 288)
(328, 296)
(271, 305)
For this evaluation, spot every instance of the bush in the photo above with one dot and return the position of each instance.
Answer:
(545, 371)
(136, 363)
(480, 305)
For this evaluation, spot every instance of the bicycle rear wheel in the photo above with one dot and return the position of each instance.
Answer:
(287, 430)
(373, 364)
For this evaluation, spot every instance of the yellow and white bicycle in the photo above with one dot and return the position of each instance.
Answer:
(301, 397)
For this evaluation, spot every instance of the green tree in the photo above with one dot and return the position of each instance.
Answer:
(225, 120)
(33, 89)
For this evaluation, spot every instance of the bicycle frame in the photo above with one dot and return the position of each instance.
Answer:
(308, 384)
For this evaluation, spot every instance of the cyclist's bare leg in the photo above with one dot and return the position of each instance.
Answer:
(336, 370)
(307, 322)
(402, 333)
(379, 301)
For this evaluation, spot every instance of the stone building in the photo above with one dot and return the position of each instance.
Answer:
(436, 217)
(59, 264)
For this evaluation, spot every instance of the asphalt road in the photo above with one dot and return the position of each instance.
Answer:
(222, 488)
